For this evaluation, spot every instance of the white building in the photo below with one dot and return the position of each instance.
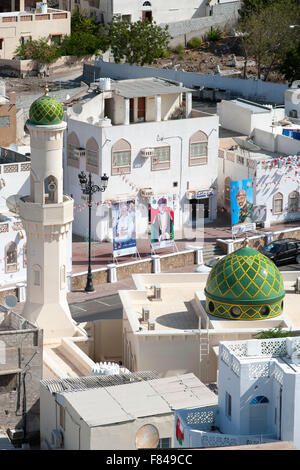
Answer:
(117, 412)
(149, 142)
(20, 24)
(292, 102)
(264, 153)
(258, 397)
(160, 12)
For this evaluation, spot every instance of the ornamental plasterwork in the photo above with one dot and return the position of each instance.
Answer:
(197, 417)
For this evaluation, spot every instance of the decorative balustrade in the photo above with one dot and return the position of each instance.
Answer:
(4, 18)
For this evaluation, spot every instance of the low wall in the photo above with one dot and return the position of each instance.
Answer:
(27, 68)
(258, 241)
(255, 90)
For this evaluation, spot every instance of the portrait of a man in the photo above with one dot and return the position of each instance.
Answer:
(162, 225)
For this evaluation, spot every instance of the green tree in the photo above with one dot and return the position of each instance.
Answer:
(81, 23)
(137, 43)
(81, 44)
(40, 51)
(250, 7)
(290, 66)
(268, 36)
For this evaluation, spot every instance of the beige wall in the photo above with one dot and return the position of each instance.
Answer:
(12, 28)
(122, 436)
(107, 340)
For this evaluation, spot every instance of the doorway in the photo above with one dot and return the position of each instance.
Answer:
(199, 211)
(147, 16)
(141, 111)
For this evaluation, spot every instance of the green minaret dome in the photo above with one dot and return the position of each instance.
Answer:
(244, 285)
(46, 111)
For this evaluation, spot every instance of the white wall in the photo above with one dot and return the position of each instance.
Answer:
(237, 118)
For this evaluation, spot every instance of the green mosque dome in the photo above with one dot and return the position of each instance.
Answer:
(46, 111)
(244, 285)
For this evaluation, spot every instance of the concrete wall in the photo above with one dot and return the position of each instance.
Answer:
(21, 347)
(235, 117)
(251, 89)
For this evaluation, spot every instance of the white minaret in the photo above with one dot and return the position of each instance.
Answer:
(47, 215)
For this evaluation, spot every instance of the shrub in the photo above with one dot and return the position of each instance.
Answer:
(194, 43)
(178, 49)
(214, 34)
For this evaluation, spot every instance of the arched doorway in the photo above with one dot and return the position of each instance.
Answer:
(147, 12)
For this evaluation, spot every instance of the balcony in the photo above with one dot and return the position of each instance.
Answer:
(15, 17)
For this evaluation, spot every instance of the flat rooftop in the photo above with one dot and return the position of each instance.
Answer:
(140, 87)
(255, 108)
(182, 305)
(103, 406)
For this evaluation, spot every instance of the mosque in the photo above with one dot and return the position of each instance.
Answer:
(178, 332)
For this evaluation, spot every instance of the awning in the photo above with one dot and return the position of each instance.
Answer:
(200, 193)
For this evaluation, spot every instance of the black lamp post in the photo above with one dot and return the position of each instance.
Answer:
(89, 188)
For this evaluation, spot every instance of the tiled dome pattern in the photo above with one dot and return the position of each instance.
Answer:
(248, 280)
(46, 111)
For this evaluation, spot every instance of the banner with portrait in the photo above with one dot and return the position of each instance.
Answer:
(124, 228)
(162, 221)
(241, 198)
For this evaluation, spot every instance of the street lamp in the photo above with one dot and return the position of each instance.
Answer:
(89, 188)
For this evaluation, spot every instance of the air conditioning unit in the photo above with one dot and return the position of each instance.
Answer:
(157, 292)
(146, 313)
(147, 152)
(147, 192)
(56, 439)
(151, 325)
(79, 152)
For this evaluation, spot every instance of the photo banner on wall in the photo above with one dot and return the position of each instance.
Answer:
(124, 228)
(162, 221)
(241, 198)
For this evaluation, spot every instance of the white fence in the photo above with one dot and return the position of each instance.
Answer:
(258, 90)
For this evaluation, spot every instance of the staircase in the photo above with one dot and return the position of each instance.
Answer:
(210, 251)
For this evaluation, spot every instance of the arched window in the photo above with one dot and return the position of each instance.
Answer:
(259, 399)
(11, 257)
(294, 201)
(227, 198)
(198, 149)
(92, 156)
(72, 154)
(146, 4)
(121, 157)
(51, 189)
(278, 203)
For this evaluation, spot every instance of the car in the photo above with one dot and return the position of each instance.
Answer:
(283, 251)
(207, 267)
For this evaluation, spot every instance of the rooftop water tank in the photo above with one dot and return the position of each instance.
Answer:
(104, 84)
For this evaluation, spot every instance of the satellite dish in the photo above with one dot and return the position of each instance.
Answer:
(77, 108)
(12, 203)
(10, 302)
(245, 144)
(147, 437)
(296, 84)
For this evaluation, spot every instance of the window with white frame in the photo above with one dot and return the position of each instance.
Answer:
(278, 203)
(121, 157)
(161, 158)
(11, 258)
(164, 443)
(198, 149)
(294, 201)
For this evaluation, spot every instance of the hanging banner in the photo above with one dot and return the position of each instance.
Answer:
(124, 232)
(241, 198)
(162, 221)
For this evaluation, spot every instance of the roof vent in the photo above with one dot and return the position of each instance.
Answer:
(157, 292)
(146, 313)
(151, 325)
